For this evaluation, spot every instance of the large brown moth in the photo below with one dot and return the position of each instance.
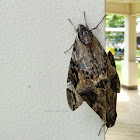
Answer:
(92, 76)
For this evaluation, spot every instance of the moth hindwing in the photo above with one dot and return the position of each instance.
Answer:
(92, 76)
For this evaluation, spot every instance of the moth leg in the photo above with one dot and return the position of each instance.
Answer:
(98, 24)
(72, 24)
(85, 19)
(69, 48)
(101, 128)
(106, 131)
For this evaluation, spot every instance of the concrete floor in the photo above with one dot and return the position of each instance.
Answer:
(127, 126)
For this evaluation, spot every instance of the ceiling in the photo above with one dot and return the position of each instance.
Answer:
(123, 7)
(128, 1)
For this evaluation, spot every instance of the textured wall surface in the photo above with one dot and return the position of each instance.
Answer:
(33, 69)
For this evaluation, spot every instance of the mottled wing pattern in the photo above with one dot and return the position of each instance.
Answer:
(74, 100)
(111, 58)
(93, 78)
(115, 82)
(85, 87)
(112, 89)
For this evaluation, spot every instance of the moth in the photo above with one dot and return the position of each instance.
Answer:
(92, 76)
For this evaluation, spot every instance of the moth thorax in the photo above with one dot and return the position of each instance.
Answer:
(84, 34)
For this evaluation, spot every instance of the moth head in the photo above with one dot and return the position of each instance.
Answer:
(111, 118)
(84, 34)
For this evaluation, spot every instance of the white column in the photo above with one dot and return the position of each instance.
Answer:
(129, 67)
(34, 69)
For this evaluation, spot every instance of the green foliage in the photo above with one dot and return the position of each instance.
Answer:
(138, 20)
(115, 21)
(138, 53)
(118, 67)
(115, 37)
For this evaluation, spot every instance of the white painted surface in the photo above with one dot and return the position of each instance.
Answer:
(33, 69)
(129, 73)
(129, 67)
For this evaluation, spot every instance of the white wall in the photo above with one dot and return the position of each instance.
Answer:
(33, 69)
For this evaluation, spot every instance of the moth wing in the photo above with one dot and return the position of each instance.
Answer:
(73, 98)
(92, 95)
(111, 58)
(115, 82)
(87, 92)
(111, 114)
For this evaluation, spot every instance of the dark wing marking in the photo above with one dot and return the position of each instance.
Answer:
(111, 115)
(89, 95)
(83, 89)
(115, 82)
(74, 100)
(112, 90)
(111, 58)
(93, 96)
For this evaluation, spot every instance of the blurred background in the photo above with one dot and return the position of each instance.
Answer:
(115, 29)
(123, 40)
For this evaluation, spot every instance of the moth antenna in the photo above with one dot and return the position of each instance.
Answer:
(98, 24)
(72, 24)
(68, 49)
(85, 20)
